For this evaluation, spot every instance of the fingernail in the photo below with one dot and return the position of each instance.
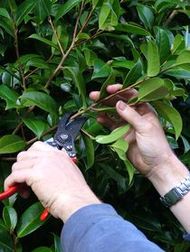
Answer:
(121, 105)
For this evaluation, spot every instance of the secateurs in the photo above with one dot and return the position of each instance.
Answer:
(64, 138)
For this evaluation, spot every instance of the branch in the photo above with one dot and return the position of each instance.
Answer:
(72, 45)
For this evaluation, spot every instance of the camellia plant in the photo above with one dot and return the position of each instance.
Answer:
(52, 54)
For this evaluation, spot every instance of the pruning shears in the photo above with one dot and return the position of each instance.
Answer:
(64, 138)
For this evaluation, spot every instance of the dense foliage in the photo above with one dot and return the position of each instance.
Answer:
(52, 54)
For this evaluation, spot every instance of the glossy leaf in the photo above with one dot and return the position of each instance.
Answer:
(171, 115)
(163, 43)
(153, 59)
(133, 75)
(9, 95)
(78, 79)
(43, 40)
(10, 217)
(130, 170)
(6, 243)
(39, 99)
(23, 10)
(113, 136)
(11, 144)
(121, 147)
(132, 28)
(152, 89)
(146, 15)
(36, 125)
(89, 150)
(30, 220)
(66, 7)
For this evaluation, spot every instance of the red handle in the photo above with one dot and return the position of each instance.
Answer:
(45, 213)
(9, 192)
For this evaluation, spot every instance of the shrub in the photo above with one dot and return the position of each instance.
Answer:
(53, 53)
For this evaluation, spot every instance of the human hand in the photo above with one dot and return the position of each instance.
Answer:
(148, 146)
(54, 178)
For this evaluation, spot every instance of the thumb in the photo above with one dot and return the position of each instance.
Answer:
(130, 115)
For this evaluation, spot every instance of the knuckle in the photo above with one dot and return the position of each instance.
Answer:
(14, 167)
(21, 155)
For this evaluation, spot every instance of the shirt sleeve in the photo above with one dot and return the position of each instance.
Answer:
(98, 228)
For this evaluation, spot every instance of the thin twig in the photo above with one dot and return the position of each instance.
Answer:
(45, 133)
(21, 123)
(171, 16)
(56, 35)
(87, 134)
(18, 56)
(68, 51)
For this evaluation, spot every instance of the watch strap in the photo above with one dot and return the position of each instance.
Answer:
(176, 193)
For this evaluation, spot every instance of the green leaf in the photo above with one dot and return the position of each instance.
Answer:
(6, 243)
(42, 10)
(36, 125)
(23, 10)
(43, 40)
(10, 217)
(32, 60)
(110, 80)
(89, 149)
(133, 75)
(66, 7)
(115, 175)
(153, 59)
(78, 79)
(120, 147)
(4, 13)
(132, 28)
(152, 89)
(113, 136)
(30, 220)
(10, 96)
(146, 15)
(57, 243)
(170, 114)
(11, 144)
(104, 13)
(163, 43)
(178, 73)
(130, 169)
(101, 69)
(39, 99)
(178, 44)
(183, 58)
(42, 249)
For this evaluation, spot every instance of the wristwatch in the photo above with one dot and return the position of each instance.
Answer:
(176, 193)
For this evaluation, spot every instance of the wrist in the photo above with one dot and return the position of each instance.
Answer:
(70, 203)
(168, 175)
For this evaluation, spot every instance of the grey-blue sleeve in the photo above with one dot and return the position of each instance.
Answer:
(98, 228)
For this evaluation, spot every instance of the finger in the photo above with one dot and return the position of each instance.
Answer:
(106, 121)
(94, 95)
(145, 108)
(130, 115)
(23, 165)
(40, 146)
(130, 136)
(111, 89)
(26, 155)
(19, 176)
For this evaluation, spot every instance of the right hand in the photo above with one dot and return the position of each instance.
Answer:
(54, 178)
(148, 146)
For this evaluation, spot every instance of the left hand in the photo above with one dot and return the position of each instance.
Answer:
(54, 178)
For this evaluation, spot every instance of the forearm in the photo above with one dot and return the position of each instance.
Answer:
(98, 228)
(167, 176)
